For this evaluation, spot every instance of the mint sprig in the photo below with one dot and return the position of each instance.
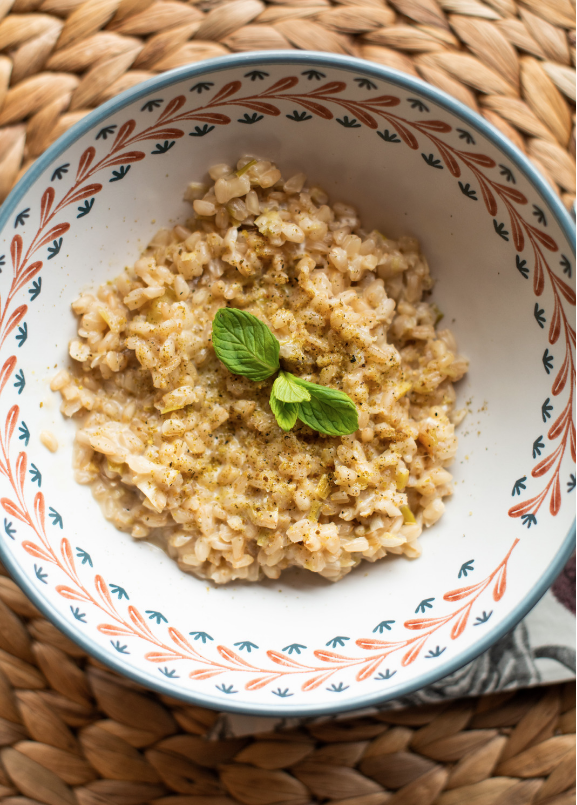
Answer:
(247, 347)
(286, 413)
(329, 411)
(244, 344)
(287, 388)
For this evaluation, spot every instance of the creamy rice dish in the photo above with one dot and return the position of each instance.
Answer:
(180, 450)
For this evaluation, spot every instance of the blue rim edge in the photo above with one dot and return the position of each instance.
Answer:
(472, 119)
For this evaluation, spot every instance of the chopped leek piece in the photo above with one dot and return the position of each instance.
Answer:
(247, 167)
(315, 511)
(408, 516)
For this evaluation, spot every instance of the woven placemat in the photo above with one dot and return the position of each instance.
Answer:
(512, 61)
(71, 731)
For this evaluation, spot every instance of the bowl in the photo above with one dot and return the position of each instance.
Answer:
(500, 246)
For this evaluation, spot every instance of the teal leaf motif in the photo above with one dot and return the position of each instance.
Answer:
(337, 641)
(204, 636)
(364, 83)
(283, 694)
(522, 266)
(21, 217)
(539, 215)
(466, 136)
(466, 568)
(518, 486)
(120, 649)
(539, 314)
(85, 557)
(162, 148)
(417, 104)
(387, 675)
(150, 106)
(120, 173)
(467, 190)
(483, 618)
(565, 265)
(157, 616)
(54, 249)
(246, 118)
(570, 488)
(24, 433)
(538, 445)
(349, 124)
(500, 230)
(105, 132)
(254, 74)
(170, 674)
(299, 116)
(34, 291)
(119, 591)
(246, 644)
(546, 409)
(434, 163)
(380, 627)
(56, 518)
(59, 172)
(80, 616)
(310, 74)
(20, 381)
(85, 209)
(22, 334)
(35, 474)
(507, 173)
(40, 575)
(436, 653)
(425, 604)
(10, 531)
(296, 647)
(547, 361)
(200, 132)
(529, 520)
(225, 688)
(202, 86)
(340, 688)
(388, 136)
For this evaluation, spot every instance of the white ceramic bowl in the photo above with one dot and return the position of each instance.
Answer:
(500, 246)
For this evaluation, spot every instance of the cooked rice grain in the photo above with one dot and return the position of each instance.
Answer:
(179, 450)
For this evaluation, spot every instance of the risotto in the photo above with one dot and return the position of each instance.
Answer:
(179, 450)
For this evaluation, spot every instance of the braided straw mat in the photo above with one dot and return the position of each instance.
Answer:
(72, 732)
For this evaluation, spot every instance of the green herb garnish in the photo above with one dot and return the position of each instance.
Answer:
(247, 347)
(288, 389)
(244, 344)
(286, 414)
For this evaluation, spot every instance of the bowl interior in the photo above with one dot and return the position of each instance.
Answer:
(413, 162)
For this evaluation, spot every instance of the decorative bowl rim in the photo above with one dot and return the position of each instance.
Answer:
(452, 105)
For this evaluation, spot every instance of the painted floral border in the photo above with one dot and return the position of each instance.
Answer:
(320, 100)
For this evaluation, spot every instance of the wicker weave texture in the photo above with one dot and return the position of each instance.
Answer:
(512, 61)
(73, 733)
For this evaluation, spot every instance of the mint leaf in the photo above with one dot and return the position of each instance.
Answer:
(329, 411)
(286, 389)
(244, 344)
(286, 413)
